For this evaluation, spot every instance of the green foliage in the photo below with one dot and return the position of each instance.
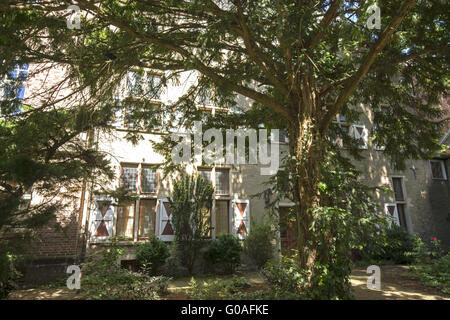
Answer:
(152, 254)
(104, 278)
(8, 273)
(262, 43)
(174, 265)
(396, 245)
(432, 266)
(258, 245)
(435, 274)
(190, 205)
(225, 251)
(218, 289)
(286, 279)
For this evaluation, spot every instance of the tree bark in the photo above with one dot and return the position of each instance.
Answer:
(307, 147)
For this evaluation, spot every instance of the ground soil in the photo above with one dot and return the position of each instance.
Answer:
(396, 284)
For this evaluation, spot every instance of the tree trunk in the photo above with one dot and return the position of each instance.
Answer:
(307, 146)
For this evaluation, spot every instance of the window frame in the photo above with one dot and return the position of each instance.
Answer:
(139, 217)
(401, 202)
(129, 164)
(141, 192)
(229, 182)
(443, 169)
(144, 85)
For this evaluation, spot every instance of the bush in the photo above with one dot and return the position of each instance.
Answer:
(218, 289)
(397, 246)
(152, 254)
(103, 278)
(8, 274)
(285, 278)
(258, 245)
(174, 266)
(224, 251)
(433, 267)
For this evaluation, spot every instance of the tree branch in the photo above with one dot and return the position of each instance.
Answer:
(353, 82)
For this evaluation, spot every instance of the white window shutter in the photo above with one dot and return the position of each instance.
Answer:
(360, 133)
(391, 213)
(166, 231)
(102, 220)
(241, 218)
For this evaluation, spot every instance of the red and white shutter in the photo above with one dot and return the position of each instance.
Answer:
(102, 220)
(361, 134)
(241, 218)
(392, 213)
(166, 231)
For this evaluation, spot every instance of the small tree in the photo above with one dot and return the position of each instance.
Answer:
(191, 211)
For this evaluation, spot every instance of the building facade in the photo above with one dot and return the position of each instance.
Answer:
(420, 200)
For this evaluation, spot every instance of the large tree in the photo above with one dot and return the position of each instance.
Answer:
(302, 62)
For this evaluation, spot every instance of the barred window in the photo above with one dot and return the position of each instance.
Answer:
(222, 181)
(149, 180)
(128, 179)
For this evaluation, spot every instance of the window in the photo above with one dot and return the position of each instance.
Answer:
(284, 136)
(149, 180)
(222, 217)
(222, 181)
(398, 189)
(341, 118)
(138, 218)
(147, 215)
(129, 177)
(400, 201)
(125, 221)
(144, 84)
(401, 214)
(13, 85)
(154, 82)
(205, 173)
(341, 121)
(204, 96)
(438, 170)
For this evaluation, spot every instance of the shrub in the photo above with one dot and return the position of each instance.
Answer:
(8, 273)
(224, 251)
(174, 266)
(433, 267)
(435, 274)
(152, 254)
(285, 278)
(398, 247)
(218, 289)
(103, 278)
(259, 244)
